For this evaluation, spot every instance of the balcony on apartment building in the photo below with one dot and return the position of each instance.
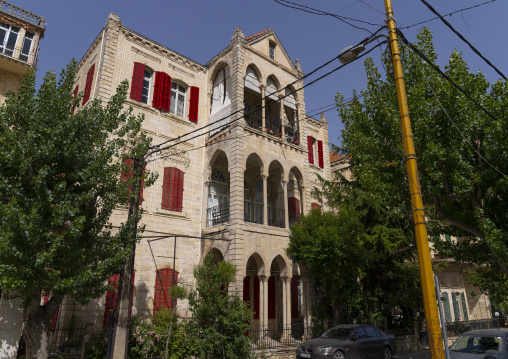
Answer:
(20, 32)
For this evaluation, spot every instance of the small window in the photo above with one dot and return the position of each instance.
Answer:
(272, 50)
(27, 45)
(145, 94)
(177, 103)
(8, 38)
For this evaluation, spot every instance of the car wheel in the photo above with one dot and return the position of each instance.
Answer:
(339, 355)
(387, 353)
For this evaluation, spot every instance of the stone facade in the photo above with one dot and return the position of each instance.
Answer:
(244, 182)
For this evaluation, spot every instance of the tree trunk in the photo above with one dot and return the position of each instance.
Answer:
(37, 321)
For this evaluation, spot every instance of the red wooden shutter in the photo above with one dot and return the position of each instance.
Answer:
(110, 298)
(88, 86)
(138, 76)
(194, 101)
(246, 291)
(294, 296)
(320, 153)
(162, 91)
(167, 192)
(314, 205)
(178, 191)
(164, 279)
(54, 318)
(271, 298)
(256, 297)
(294, 205)
(311, 150)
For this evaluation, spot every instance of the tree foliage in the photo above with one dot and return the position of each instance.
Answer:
(60, 179)
(348, 253)
(462, 155)
(219, 321)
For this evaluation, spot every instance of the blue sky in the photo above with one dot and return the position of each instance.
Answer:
(200, 29)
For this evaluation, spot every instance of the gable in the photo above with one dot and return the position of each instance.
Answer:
(261, 42)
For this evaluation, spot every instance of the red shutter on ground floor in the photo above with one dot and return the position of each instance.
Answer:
(162, 91)
(110, 298)
(193, 104)
(321, 160)
(54, 318)
(164, 279)
(294, 296)
(256, 297)
(88, 85)
(314, 205)
(138, 75)
(310, 149)
(271, 298)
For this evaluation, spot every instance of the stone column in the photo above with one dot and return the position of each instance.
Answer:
(265, 199)
(286, 211)
(285, 295)
(263, 303)
(306, 308)
(263, 102)
(282, 121)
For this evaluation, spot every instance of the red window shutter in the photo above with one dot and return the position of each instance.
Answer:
(164, 279)
(54, 319)
(271, 298)
(320, 153)
(314, 205)
(162, 91)
(246, 291)
(138, 75)
(194, 101)
(167, 192)
(311, 150)
(178, 191)
(294, 296)
(256, 297)
(88, 86)
(294, 205)
(110, 298)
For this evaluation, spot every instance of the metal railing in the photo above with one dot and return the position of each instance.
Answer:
(22, 14)
(217, 215)
(282, 337)
(293, 216)
(16, 53)
(273, 125)
(256, 216)
(457, 328)
(67, 342)
(276, 217)
(253, 118)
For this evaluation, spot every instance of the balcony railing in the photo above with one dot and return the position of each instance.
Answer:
(293, 216)
(22, 14)
(253, 118)
(276, 217)
(273, 125)
(217, 215)
(256, 216)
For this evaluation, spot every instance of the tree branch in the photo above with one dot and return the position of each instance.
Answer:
(474, 231)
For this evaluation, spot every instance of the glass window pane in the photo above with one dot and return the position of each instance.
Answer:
(172, 102)
(174, 86)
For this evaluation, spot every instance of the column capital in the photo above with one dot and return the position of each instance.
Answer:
(264, 177)
(286, 279)
(284, 182)
(262, 87)
(263, 278)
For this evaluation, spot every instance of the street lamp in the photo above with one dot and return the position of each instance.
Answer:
(422, 243)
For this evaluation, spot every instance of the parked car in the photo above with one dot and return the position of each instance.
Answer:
(349, 341)
(481, 344)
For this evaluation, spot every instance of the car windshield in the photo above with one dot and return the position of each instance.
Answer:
(337, 333)
(482, 344)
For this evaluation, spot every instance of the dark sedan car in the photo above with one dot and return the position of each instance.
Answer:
(480, 344)
(349, 341)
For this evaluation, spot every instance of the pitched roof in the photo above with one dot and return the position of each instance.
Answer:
(335, 157)
(252, 37)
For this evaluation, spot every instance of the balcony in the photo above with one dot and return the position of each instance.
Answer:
(21, 14)
(256, 216)
(217, 215)
(277, 217)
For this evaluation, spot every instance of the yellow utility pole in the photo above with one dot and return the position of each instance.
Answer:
(420, 228)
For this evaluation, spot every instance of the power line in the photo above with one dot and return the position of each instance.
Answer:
(449, 14)
(315, 11)
(419, 53)
(241, 117)
(372, 7)
(463, 38)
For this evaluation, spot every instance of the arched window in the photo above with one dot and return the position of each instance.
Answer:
(218, 192)
(221, 100)
(177, 103)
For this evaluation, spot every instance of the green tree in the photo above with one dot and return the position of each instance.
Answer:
(60, 179)
(462, 155)
(219, 321)
(349, 254)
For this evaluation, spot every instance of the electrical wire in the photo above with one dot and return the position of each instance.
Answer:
(372, 7)
(449, 14)
(419, 53)
(158, 149)
(315, 11)
(463, 38)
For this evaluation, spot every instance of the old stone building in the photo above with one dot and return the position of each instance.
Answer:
(20, 35)
(234, 190)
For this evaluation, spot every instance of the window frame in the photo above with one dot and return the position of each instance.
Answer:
(26, 55)
(271, 50)
(147, 71)
(8, 30)
(174, 103)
